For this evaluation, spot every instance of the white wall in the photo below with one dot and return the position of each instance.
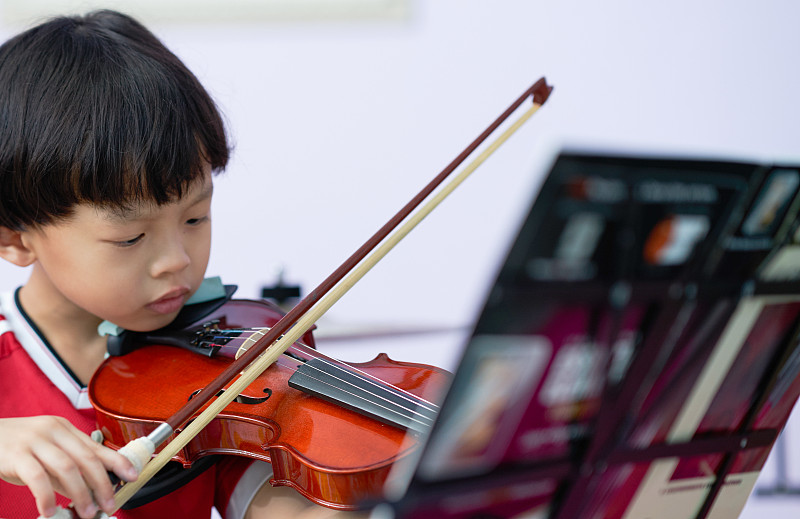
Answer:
(337, 124)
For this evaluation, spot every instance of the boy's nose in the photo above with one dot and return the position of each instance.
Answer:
(172, 257)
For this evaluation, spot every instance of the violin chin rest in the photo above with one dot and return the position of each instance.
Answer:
(123, 343)
(190, 314)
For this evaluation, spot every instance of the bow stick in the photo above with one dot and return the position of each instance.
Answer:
(263, 352)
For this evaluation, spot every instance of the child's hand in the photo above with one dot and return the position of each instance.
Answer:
(47, 454)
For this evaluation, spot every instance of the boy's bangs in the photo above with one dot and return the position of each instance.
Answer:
(153, 130)
(96, 110)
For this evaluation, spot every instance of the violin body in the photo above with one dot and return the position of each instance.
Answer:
(334, 456)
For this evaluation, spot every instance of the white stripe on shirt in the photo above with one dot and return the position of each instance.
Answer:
(42, 355)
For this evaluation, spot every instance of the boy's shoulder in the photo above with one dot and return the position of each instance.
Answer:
(30, 368)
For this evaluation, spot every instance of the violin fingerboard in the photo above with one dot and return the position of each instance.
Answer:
(364, 395)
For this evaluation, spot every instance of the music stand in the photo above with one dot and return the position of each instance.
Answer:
(637, 354)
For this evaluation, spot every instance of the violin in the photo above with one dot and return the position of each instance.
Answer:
(331, 430)
(288, 430)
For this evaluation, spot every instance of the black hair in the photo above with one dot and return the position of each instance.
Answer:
(95, 109)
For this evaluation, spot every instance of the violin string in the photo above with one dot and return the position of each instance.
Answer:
(314, 354)
(425, 421)
(407, 395)
(367, 392)
(415, 401)
(367, 377)
(402, 394)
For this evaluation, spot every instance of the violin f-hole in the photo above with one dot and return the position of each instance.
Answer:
(242, 399)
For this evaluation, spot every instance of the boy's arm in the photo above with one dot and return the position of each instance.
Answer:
(48, 454)
(271, 502)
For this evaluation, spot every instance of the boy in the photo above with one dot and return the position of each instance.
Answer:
(107, 149)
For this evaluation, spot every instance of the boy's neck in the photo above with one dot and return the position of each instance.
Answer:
(70, 330)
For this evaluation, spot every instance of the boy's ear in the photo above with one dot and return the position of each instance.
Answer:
(13, 249)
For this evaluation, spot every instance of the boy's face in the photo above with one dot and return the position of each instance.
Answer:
(135, 269)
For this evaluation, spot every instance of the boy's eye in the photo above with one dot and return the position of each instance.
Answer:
(128, 243)
(196, 221)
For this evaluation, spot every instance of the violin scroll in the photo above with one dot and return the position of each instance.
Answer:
(540, 91)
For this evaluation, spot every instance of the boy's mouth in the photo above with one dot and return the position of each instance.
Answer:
(170, 302)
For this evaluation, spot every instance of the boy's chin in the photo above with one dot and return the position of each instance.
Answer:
(151, 323)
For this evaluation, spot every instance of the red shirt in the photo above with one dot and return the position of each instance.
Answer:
(34, 382)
